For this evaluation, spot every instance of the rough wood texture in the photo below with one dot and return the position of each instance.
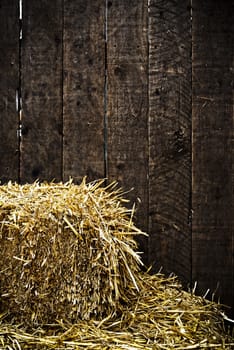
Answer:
(127, 107)
(84, 87)
(106, 90)
(213, 237)
(41, 145)
(169, 136)
(9, 80)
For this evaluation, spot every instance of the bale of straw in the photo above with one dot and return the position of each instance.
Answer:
(67, 252)
(68, 257)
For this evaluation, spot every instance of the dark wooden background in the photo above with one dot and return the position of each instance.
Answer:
(136, 91)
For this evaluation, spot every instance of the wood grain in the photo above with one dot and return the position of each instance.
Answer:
(213, 155)
(9, 80)
(127, 103)
(84, 89)
(41, 146)
(140, 92)
(169, 137)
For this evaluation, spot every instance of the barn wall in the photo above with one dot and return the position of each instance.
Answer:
(135, 91)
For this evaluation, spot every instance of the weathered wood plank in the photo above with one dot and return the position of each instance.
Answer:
(213, 180)
(127, 103)
(170, 136)
(41, 146)
(84, 87)
(9, 80)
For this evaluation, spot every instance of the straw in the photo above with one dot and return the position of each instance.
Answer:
(67, 251)
(70, 277)
(162, 316)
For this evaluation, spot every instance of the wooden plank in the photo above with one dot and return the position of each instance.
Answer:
(9, 80)
(127, 103)
(213, 237)
(170, 136)
(84, 87)
(41, 146)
